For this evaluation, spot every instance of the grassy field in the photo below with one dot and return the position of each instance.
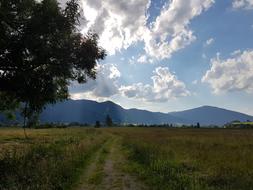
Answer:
(123, 158)
(191, 158)
(48, 159)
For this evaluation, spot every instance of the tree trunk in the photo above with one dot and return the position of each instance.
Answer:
(24, 124)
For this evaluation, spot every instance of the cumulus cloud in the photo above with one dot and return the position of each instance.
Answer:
(236, 52)
(170, 31)
(105, 85)
(242, 4)
(165, 86)
(137, 90)
(195, 82)
(118, 23)
(62, 3)
(144, 59)
(209, 42)
(131, 60)
(123, 23)
(233, 74)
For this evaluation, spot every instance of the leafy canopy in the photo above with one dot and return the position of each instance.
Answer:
(108, 120)
(42, 51)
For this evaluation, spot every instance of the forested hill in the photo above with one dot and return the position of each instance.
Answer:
(87, 111)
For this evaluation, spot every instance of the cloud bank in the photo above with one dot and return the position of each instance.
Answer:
(105, 85)
(165, 87)
(232, 74)
(209, 42)
(243, 4)
(121, 24)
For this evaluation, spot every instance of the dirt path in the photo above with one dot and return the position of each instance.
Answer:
(93, 173)
(106, 171)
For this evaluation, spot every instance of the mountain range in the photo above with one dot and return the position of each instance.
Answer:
(87, 111)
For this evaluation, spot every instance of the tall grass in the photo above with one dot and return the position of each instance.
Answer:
(49, 159)
(191, 158)
(173, 159)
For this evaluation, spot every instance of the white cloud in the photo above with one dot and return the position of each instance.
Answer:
(120, 24)
(137, 90)
(236, 52)
(170, 32)
(195, 82)
(144, 59)
(209, 42)
(62, 3)
(131, 60)
(243, 4)
(165, 86)
(233, 74)
(105, 85)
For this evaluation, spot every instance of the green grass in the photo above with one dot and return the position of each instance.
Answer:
(97, 176)
(244, 123)
(191, 158)
(49, 159)
(173, 159)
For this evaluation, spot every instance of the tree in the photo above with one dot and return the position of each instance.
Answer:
(42, 52)
(8, 105)
(198, 125)
(97, 124)
(108, 121)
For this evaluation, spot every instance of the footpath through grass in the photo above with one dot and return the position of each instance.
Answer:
(49, 159)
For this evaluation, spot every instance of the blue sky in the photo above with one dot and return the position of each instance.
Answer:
(169, 55)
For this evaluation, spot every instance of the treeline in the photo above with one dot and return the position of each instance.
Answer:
(107, 123)
(239, 125)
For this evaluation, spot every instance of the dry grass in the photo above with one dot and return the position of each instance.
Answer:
(191, 158)
(49, 159)
(164, 158)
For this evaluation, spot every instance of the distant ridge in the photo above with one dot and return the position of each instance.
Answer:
(88, 111)
(209, 115)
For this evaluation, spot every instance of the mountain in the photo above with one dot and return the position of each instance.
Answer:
(208, 115)
(87, 111)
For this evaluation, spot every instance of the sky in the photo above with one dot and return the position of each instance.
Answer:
(171, 55)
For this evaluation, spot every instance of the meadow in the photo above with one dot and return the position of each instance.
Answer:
(191, 158)
(158, 158)
(48, 159)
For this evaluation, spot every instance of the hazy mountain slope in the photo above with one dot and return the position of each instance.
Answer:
(86, 111)
(207, 115)
(82, 111)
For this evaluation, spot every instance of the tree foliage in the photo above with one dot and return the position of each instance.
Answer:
(108, 121)
(97, 124)
(42, 51)
(8, 105)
